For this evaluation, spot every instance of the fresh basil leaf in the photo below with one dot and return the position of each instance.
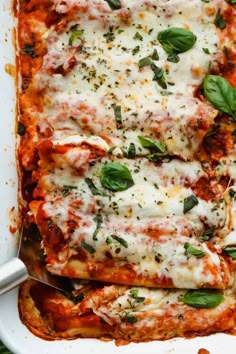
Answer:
(220, 94)
(231, 251)
(131, 153)
(144, 62)
(76, 34)
(159, 76)
(87, 247)
(117, 112)
(152, 145)
(123, 242)
(116, 177)
(98, 219)
(232, 2)
(207, 234)
(219, 20)
(207, 1)
(203, 298)
(189, 203)
(194, 251)
(114, 4)
(93, 188)
(21, 129)
(176, 40)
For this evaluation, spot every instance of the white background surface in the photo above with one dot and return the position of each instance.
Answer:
(12, 332)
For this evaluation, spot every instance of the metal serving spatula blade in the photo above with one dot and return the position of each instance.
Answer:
(29, 263)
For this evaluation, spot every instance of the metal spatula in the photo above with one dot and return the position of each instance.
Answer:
(29, 263)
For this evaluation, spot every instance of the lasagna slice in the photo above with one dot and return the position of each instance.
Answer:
(125, 314)
(148, 234)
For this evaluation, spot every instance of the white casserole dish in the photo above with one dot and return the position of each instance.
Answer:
(12, 332)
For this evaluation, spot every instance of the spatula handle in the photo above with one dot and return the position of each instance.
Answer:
(12, 274)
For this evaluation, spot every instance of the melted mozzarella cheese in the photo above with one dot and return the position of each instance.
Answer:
(107, 73)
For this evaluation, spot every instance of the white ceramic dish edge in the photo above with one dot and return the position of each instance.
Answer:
(12, 332)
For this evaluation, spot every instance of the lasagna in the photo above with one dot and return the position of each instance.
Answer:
(127, 158)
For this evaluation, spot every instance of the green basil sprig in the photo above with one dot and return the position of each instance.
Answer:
(176, 40)
(203, 298)
(231, 251)
(220, 94)
(194, 251)
(116, 177)
(152, 145)
(114, 4)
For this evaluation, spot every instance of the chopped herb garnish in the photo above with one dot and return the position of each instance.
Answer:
(144, 62)
(87, 247)
(159, 76)
(116, 177)
(227, 53)
(93, 188)
(152, 145)
(66, 189)
(130, 318)
(110, 151)
(207, 1)
(155, 55)
(131, 153)
(114, 4)
(117, 112)
(207, 234)
(120, 240)
(21, 129)
(98, 220)
(194, 251)
(136, 50)
(76, 34)
(231, 251)
(189, 203)
(203, 298)
(232, 193)
(206, 50)
(219, 20)
(138, 36)
(110, 36)
(28, 49)
(134, 294)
